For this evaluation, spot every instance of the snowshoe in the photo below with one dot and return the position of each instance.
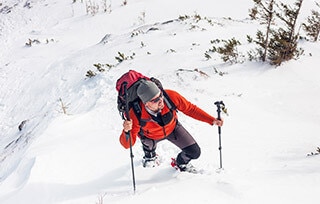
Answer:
(183, 167)
(150, 162)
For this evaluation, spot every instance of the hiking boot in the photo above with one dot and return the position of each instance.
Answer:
(183, 167)
(150, 162)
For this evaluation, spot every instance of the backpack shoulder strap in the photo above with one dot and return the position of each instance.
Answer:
(137, 111)
(168, 101)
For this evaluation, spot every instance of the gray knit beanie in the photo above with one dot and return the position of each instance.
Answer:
(147, 90)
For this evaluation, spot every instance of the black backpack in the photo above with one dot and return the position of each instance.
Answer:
(132, 79)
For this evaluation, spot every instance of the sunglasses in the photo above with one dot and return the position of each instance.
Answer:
(155, 100)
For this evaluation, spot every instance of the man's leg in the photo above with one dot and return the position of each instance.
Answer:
(150, 158)
(183, 139)
(149, 147)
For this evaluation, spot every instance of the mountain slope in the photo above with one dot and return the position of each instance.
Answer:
(76, 157)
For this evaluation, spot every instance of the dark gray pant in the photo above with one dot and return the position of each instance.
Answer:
(181, 138)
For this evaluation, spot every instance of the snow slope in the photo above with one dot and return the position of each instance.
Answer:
(68, 158)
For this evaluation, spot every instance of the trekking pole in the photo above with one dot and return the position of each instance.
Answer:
(219, 105)
(128, 136)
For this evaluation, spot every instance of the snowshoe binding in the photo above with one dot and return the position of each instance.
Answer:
(150, 162)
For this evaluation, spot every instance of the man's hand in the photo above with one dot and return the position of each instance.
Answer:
(127, 125)
(218, 122)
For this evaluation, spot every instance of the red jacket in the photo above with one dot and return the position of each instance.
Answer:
(153, 130)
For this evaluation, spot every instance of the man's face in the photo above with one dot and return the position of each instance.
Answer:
(156, 103)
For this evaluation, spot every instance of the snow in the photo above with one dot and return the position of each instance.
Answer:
(59, 158)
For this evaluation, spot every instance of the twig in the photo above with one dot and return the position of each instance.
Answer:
(64, 108)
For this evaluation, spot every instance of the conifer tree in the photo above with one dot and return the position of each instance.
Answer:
(312, 28)
(283, 43)
(264, 12)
